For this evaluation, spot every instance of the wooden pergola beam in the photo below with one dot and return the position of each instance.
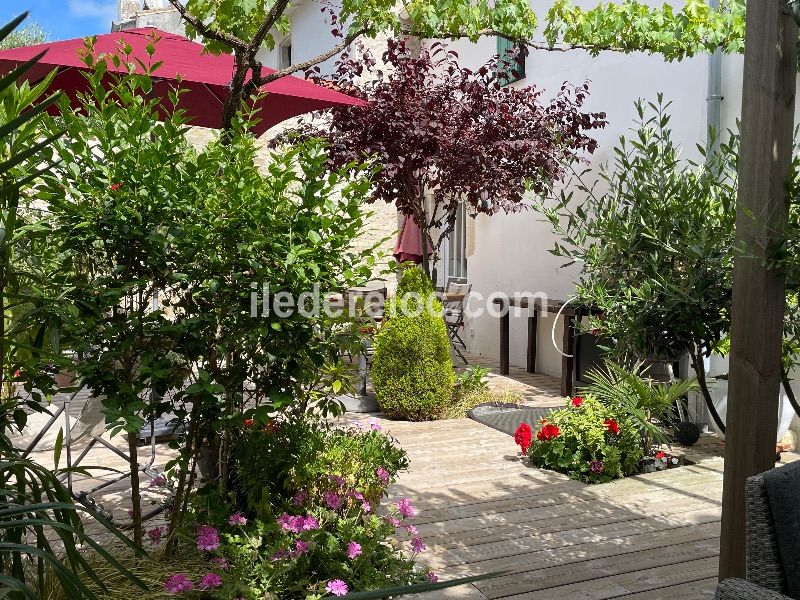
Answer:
(768, 91)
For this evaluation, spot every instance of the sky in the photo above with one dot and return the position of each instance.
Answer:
(64, 19)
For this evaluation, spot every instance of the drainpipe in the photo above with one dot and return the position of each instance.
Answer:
(714, 96)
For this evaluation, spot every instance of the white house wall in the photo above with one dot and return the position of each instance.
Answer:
(511, 252)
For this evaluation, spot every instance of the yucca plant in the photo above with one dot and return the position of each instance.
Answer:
(40, 526)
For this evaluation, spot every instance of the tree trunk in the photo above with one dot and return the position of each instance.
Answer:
(700, 372)
(768, 91)
(136, 498)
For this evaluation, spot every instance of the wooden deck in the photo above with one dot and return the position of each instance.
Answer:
(482, 510)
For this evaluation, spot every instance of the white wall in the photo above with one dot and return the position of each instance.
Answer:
(512, 251)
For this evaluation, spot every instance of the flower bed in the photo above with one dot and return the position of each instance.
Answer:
(592, 442)
(302, 518)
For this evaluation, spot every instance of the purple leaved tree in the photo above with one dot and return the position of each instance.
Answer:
(456, 135)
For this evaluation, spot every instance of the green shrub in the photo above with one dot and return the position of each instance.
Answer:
(303, 516)
(413, 369)
(587, 440)
(294, 459)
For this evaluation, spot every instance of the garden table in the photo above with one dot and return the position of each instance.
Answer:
(572, 314)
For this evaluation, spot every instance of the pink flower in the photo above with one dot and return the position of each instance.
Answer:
(432, 577)
(280, 554)
(337, 587)
(207, 538)
(158, 481)
(155, 535)
(366, 506)
(382, 474)
(300, 548)
(374, 425)
(332, 499)
(180, 582)
(237, 518)
(393, 521)
(336, 480)
(411, 530)
(353, 550)
(291, 523)
(357, 495)
(300, 498)
(417, 545)
(405, 508)
(221, 563)
(296, 524)
(209, 581)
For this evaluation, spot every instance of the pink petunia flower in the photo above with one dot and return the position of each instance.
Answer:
(353, 550)
(405, 508)
(210, 581)
(432, 577)
(237, 518)
(155, 535)
(207, 538)
(366, 506)
(310, 523)
(337, 587)
(411, 530)
(382, 474)
(374, 425)
(177, 583)
(332, 500)
(300, 548)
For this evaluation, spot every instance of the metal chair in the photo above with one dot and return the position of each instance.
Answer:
(89, 426)
(454, 311)
(368, 305)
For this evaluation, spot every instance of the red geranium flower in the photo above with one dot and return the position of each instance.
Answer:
(115, 186)
(548, 432)
(612, 426)
(660, 454)
(523, 436)
(248, 422)
(577, 401)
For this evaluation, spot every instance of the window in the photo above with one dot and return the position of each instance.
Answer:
(457, 245)
(512, 68)
(285, 56)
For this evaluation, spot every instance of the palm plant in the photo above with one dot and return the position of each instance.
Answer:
(649, 403)
(40, 526)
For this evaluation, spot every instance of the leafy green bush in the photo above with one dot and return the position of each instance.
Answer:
(413, 369)
(290, 460)
(472, 380)
(587, 440)
(301, 520)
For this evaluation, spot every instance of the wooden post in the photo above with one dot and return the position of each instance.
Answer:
(758, 292)
(505, 334)
(533, 331)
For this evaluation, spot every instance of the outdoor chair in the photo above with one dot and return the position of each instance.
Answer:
(88, 427)
(772, 545)
(458, 289)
